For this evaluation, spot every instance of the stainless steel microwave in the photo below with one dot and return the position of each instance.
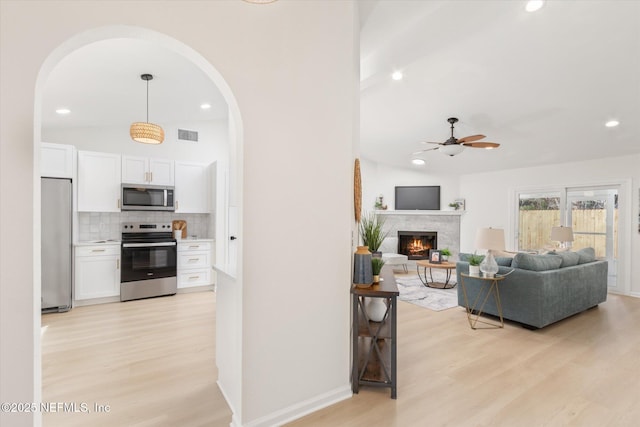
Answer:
(148, 198)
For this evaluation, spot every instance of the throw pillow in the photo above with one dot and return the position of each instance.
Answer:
(504, 254)
(568, 258)
(536, 262)
(586, 255)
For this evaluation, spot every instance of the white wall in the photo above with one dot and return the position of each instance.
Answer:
(213, 141)
(295, 84)
(380, 179)
(490, 200)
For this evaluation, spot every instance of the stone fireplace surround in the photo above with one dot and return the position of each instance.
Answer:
(445, 223)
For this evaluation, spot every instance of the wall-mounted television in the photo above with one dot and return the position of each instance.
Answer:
(424, 198)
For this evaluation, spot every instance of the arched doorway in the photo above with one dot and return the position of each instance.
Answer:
(235, 135)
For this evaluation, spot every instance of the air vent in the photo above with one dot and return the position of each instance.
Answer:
(187, 135)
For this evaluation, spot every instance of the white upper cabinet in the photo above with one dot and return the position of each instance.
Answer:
(192, 187)
(98, 182)
(143, 170)
(56, 160)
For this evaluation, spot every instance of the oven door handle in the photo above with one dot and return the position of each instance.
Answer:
(147, 245)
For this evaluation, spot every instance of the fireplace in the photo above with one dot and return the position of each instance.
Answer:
(416, 244)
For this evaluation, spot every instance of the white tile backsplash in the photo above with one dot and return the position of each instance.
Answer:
(108, 225)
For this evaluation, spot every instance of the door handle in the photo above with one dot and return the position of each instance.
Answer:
(232, 238)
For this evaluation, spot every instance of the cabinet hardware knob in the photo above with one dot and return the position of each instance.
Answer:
(232, 238)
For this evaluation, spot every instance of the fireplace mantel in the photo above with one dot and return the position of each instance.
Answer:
(445, 223)
(387, 212)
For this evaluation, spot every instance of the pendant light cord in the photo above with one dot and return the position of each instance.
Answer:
(147, 101)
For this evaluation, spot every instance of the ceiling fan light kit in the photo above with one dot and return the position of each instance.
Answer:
(452, 149)
(145, 132)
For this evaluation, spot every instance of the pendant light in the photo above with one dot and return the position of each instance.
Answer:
(145, 132)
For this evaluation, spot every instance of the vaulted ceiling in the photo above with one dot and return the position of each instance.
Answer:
(541, 84)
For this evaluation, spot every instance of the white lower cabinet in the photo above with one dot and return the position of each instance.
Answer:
(194, 264)
(97, 271)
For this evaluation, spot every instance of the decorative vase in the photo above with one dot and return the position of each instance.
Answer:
(474, 270)
(362, 271)
(489, 266)
(376, 278)
(376, 309)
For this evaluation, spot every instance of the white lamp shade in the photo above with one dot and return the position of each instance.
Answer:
(490, 238)
(451, 149)
(562, 234)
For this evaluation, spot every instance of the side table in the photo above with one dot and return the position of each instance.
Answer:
(374, 343)
(489, 287)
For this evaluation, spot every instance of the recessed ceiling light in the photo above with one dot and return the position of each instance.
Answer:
(397, 75)
(419, 162)
(533, 5)
(63, 111)
(612, 123)
(205, 106)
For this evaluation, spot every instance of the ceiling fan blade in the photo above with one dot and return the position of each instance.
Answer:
(470, 138)
(423, 151)
(483, 144)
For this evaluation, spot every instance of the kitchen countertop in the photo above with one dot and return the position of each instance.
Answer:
(117, 242)
(97, 242)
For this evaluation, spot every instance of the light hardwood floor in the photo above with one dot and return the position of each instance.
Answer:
(153, 362)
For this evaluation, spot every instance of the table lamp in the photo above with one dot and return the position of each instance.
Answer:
(562, 234)
(491, 239)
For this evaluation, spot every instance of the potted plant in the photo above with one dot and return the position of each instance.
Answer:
(474, 264)
(454, 205)
(371, 232)
(446, 253)
(376, 267)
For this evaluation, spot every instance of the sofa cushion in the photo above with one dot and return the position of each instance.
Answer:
(568, 258)
(536, 262)
(586, 255)
(504, 261)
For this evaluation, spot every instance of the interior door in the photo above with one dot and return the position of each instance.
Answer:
(593, 214)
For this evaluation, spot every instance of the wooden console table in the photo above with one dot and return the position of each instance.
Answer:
(374, 343)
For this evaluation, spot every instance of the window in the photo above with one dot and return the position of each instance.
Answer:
(592, 212)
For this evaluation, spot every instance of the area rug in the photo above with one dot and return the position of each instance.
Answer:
(413, 291)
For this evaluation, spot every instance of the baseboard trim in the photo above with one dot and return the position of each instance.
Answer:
(301, 409)
(234, 418)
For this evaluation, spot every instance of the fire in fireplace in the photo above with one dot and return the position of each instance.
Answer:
(416, 244)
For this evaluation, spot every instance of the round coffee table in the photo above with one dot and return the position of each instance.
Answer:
(427, 280)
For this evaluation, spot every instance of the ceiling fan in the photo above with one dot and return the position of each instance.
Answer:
(453, 146)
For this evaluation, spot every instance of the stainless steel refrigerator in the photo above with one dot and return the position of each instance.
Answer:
(56, 244)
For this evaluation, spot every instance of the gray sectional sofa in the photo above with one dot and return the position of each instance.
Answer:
(542, 289)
